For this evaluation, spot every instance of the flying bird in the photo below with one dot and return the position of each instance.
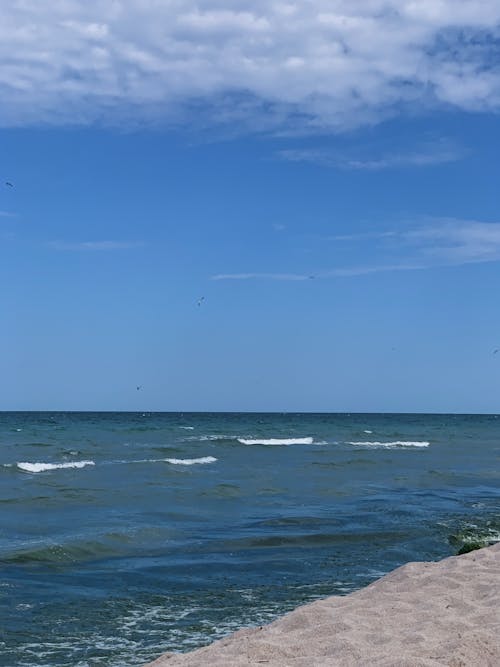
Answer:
(497, 350)
(9, 184)
(139, 387)
(200, 301)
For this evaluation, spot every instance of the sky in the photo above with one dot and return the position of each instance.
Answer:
(248, 205)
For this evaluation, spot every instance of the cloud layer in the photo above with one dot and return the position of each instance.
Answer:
(436, 243)
(265, 64)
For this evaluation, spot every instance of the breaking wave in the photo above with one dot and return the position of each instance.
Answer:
(26, 466)
(191, 462)
(277, 441)
(208, 438)
(392, 445)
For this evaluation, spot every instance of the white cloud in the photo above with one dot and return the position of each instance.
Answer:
(94, 245)
(427, 154)
(267, 64)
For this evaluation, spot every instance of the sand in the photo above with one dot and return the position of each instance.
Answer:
(420, 615)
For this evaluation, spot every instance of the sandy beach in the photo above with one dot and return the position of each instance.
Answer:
(422, 614)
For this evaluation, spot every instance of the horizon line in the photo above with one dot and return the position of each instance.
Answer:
(257, 412)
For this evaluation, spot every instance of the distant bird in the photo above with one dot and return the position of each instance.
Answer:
(201, 300)
(139, 387)
(497, 350)
(9, 184)
(311, 277)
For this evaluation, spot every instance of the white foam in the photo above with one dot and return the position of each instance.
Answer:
(277, 441)
(191, 462)
(392, 445)
(187, 428)
(185, 462)
(207, 438)
(367, 431)
(42, 467)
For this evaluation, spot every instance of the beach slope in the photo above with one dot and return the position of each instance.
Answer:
(420, 615)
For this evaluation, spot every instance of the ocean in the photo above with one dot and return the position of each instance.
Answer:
(124, 535)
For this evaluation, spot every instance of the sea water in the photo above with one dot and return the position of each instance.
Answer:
(123, 535)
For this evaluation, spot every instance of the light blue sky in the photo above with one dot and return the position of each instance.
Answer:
(336, 205)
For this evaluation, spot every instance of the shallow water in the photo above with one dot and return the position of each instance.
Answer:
(126, 534)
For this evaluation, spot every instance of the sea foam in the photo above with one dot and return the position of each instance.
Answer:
(392, 445)
(42, 467)
(207, 438)
(277, 441)
(191, 462)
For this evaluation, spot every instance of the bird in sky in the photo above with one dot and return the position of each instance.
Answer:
(9, 184)
(497, 350)
(201, 300)
(139, 387)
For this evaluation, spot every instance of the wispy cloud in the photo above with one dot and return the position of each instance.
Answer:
(449, 240)
(427, 154)
(360, 270)
(345, 272)
(434, 242)
(260, 276)
(94, 245)
(457, 241)
(273, 64)
(438, 242)
(363, 236)
(7, 214)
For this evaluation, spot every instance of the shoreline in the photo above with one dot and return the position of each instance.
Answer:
(444, 613)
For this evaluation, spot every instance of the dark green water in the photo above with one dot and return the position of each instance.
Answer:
(125, 535)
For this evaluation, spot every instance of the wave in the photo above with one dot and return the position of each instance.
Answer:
(174, 461)
(75, 549)
(473, 537)
(187, 428)
(277, 441)
(392, 445)
(322, 538)
(208, 438)
(59, 554)
(26, 466)
(191, 462)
